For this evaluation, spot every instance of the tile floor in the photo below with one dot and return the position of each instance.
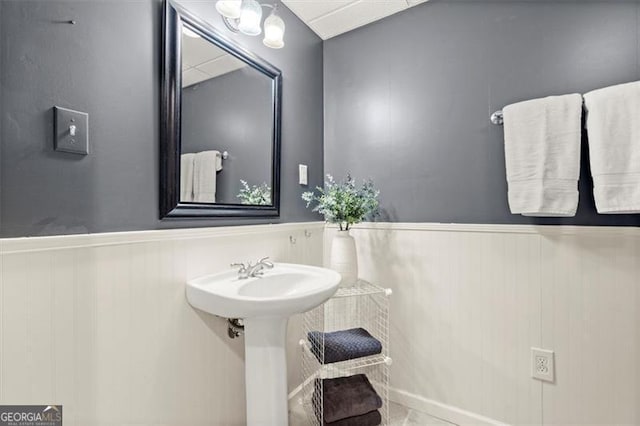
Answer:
(399, 416)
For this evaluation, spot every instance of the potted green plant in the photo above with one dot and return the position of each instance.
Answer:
(345, 204)
(257, 195)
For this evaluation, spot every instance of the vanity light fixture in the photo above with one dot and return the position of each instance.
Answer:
(245, 16)
(229, 8)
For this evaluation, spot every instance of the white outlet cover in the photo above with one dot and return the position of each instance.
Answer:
(542, 365)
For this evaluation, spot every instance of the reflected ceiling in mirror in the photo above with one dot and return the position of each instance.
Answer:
(202, 60)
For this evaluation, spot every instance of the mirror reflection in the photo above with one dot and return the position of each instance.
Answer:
(227, 127)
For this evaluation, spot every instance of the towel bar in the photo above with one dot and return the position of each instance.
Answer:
(497, 118)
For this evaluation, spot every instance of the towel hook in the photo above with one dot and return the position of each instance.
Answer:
(225, 155)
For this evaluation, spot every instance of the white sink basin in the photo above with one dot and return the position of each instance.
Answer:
(284, 290)
(265, 303)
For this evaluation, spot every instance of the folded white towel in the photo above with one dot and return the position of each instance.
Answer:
(186, 177)
(205, 166)
(613, 124)
(542, 155)
(218, 161)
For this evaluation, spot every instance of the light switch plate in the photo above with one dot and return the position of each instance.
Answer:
(71, 131)
(303, 178)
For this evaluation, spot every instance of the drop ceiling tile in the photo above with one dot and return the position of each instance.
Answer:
(222, 65)
(355, 15)
(196, 51)
(329, 18)
(308, 10)
(193, 76)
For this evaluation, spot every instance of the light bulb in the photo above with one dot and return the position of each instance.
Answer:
(273, 31)
(250, 18)
(229, 8)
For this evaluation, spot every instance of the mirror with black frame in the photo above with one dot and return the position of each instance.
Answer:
(220, 142)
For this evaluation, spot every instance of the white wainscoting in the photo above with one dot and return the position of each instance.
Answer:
(100, 324)
(471, 300)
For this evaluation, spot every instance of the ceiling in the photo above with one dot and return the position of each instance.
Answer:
(201, 60)
(329, 18)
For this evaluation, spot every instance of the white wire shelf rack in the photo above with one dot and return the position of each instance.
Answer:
(361, 288)
(365, 305)
(348, 365)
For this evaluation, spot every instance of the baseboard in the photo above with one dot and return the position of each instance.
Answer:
(434, 408)
(442, 411)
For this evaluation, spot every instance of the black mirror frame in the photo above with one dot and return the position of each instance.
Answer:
(170, 121)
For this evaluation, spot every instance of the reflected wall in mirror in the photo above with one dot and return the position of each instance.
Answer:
(221, 124)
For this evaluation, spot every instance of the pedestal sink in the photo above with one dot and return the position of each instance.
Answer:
(265, 303)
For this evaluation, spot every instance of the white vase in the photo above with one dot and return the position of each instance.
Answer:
(344, 258)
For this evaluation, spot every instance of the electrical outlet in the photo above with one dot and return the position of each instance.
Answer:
(542, 365)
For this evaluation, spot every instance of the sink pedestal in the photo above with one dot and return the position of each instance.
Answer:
(265, 303)
(266, 371)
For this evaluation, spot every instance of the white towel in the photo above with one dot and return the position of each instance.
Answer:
(205, 166)
(186, 177)
(613, 124)
(542, 155)
(218, 161)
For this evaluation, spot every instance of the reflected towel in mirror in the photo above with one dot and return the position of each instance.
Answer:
(205, 166)
(186, 177)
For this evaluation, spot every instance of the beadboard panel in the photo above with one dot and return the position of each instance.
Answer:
(100, 324)
(470, 301)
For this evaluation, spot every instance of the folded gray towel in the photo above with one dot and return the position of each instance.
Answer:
(372, 418)
(343, 345)
(345, 397)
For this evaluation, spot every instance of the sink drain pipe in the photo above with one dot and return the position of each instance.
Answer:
(235, 327)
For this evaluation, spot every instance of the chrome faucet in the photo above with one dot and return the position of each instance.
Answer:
(260, 266)
(251, 271)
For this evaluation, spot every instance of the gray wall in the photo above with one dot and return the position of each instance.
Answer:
(410, 96)
(232, 112)
(108, 65)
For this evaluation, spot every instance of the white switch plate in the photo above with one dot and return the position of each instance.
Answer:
(302, 174)
(542, 365)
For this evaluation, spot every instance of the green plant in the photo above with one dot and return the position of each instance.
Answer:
(344, 202)
(259, 195)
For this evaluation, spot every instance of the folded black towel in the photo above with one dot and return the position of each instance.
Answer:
(372, 418)
(345, 397)
(343, 345)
